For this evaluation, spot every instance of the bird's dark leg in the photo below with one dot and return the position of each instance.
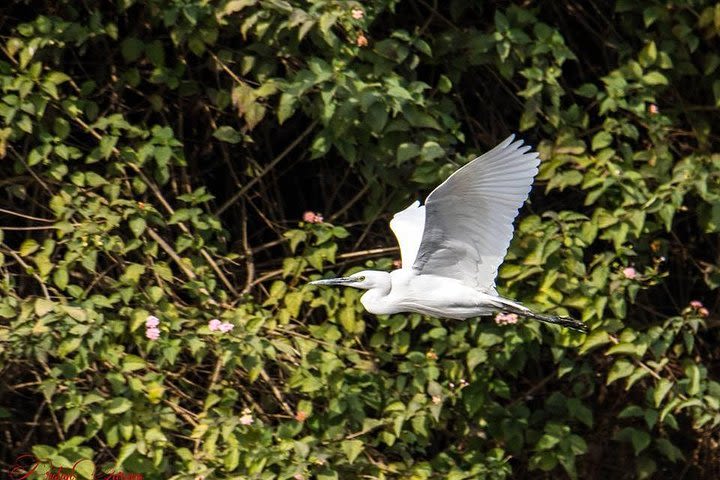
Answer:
(568, 322)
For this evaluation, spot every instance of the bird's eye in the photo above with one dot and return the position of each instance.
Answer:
(359, 279)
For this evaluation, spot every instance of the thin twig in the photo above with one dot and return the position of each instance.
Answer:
(27, 267)
(276, 392)
(171, 252)
(352, 202)
(29, 217)
(39, 227)
(364, 431)
(264, 172)
(249, 262)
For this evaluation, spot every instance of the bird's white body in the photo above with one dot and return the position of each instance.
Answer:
(453, 245)
(406, 291)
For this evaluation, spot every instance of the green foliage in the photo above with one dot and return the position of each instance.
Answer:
(157, 158)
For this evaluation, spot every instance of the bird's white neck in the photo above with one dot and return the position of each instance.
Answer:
(375, 299)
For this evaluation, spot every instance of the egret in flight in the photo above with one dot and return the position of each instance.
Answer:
(452, 246)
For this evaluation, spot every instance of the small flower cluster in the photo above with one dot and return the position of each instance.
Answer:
(152, 331)
(247, 418)
(216, 325)
(359, 14)
(463, 383)
(629, 272)
(312, 217)
(700, 308)
(506, 318)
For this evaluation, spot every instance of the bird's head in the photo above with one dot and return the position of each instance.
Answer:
(366, 280)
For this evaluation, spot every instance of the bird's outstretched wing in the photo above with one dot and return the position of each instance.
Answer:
(408, 226)
(469, 217)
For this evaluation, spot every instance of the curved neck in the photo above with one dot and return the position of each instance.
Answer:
(373, 298)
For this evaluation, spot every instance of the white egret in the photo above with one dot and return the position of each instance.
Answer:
(452, 246)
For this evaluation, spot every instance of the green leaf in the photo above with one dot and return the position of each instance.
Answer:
(406, 151)
(68, 346)
(137, 226)
(131, 49)
(670, 451)
(71, 415)
(132, 363)
(476, 356)
(287, 107)
(431, 150)
(86, 469)
(580, 411)
(640, 440)
(620, 369)
(132, 273)
(648, 55)
(693, 373)
(655, 78)
(661, 389)
(119, 405)
(28, 247)
(352, 449)
(61, 277)
(293, 302)
(43, 307)
(228, 134)
(377, 117)
(444, 84)
(347, 319)
(76, 313)
(595, 339)
(601, 140)
(587, 90)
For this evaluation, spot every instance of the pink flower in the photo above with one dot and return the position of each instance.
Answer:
(298, 476)
(152, 321)
(696, 304)
(629, 272)
(312, 217)
(357, 13)
(704, 312)
(506, 318)
(653, 109)
(247, 418)
(226, 327)
(216, 325)
(361, 41)
(152, 333)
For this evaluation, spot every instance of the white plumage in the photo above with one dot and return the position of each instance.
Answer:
(453, 245)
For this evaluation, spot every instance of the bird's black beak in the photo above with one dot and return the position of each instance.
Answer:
(333, 281)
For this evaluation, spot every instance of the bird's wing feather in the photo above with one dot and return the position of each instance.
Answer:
(469, 217)
(408, 225)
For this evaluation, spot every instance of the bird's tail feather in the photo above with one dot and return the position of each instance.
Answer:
(513, 307)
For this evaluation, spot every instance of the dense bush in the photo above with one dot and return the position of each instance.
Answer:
(156, 159)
